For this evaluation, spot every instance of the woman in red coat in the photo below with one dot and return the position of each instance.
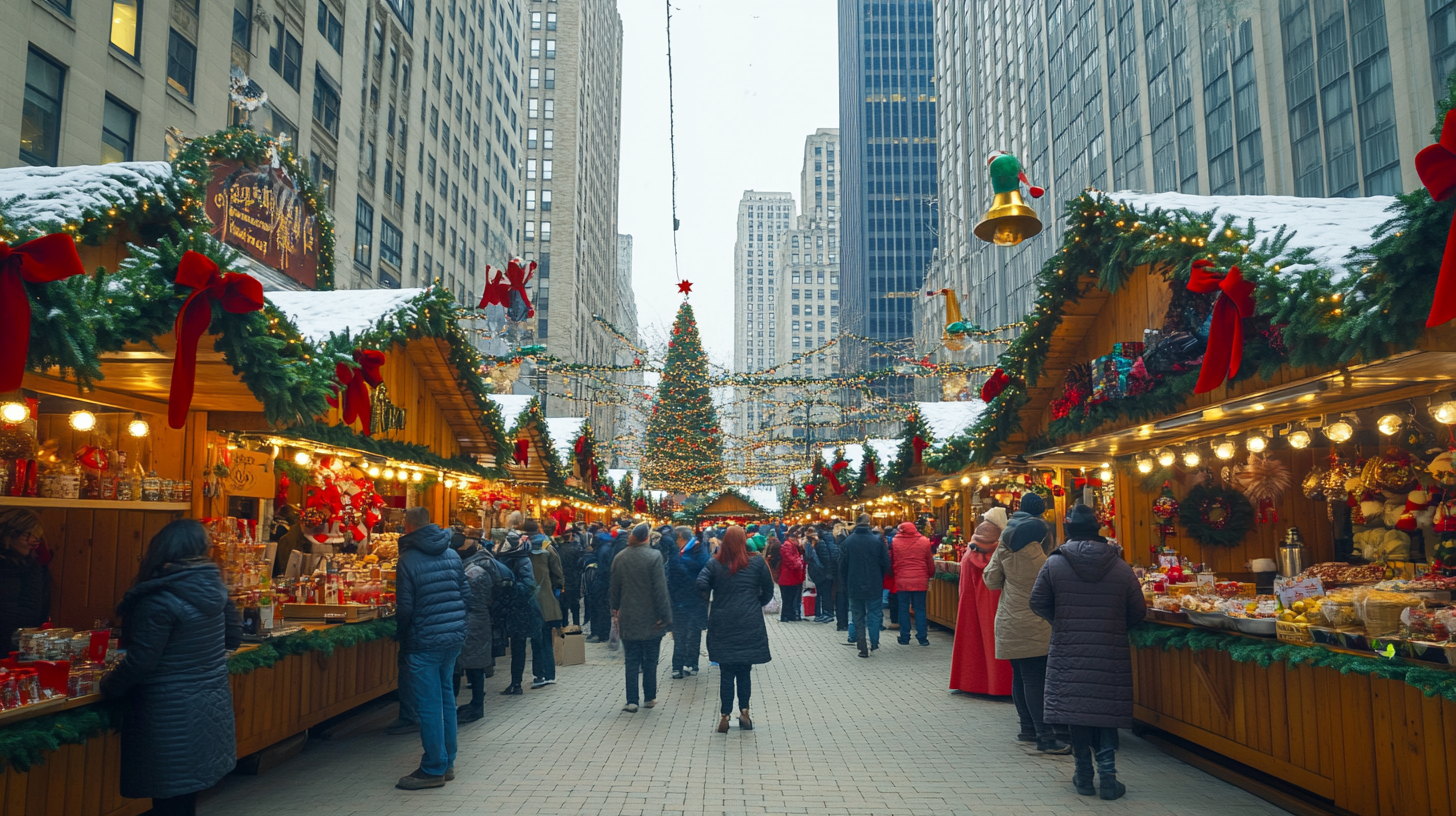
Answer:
(974, 667)
(791, 580)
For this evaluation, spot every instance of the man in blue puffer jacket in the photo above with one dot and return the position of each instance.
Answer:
(689, 610)
(431, 593)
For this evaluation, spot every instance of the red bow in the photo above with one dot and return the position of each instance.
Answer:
(580, 444)
(870, 476)
(794, 491)
(46, 259)
(235, 292)
(280, 496)
(832, 474)
(1436, 165)
(355, 384)
(495, 291)
(1226, 335)
(519, 276)
(809, 490)
(609, 490)
(995, 385)
(522, 454)
(919, 445)
(640, 505)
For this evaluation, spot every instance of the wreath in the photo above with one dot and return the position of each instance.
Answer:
(1216, 516)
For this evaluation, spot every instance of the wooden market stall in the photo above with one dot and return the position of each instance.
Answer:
(1331, 424)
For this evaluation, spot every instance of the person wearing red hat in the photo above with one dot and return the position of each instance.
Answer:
(974, 667)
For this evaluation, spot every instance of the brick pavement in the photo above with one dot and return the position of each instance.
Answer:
(834, 734)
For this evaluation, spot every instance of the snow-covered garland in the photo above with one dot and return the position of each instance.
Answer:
(1369, 304)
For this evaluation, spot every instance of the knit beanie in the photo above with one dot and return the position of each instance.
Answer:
(1082, 523)
(986, 536)
(1033, 504)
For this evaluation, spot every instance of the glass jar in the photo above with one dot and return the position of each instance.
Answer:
(151, 487)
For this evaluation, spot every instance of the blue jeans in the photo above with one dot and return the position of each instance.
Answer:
(432, 683)
(543, 654)
(917, 599)
(865, 613)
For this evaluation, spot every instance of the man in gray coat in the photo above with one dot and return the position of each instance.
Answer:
(642, 610)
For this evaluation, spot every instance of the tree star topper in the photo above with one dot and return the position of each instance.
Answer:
(685, 286)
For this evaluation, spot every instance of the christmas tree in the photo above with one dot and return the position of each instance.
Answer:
(684, 440)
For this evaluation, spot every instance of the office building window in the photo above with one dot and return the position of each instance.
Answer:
(550, 78)
(1441, 28)
(535, 21)
(534, 78)
(243, 23)
(549, 109)
(530, 199)
(391, 243)
(545, 169)
(285, 55)
(126, 26)
(181, 63)
(1375, 98)
(363, 232)
(330, 27)
(550, 49)
(63, 6)
(533, 108)
(550, 21)
(322, 170)
(545, 230)
(1246, 114)
(325, 101)
(531, 138)
(546, 200)
(530, 230)
(530, 169)
(546, 138)
(40, 122)
(535, 48)
(118, 130)
(1300, 84)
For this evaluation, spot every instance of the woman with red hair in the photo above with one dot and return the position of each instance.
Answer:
(736, 585)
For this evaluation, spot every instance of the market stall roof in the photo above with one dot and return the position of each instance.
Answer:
(946, 419)
(732, 503)
(46, 197)
(885, 450)
(320, 315)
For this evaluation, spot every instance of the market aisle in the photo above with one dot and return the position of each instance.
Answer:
(834, 735)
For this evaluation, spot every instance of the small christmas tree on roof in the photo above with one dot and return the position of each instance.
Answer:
(684, 439)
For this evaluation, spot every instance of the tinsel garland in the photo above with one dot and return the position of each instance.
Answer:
(25, 744)
(1265, 652)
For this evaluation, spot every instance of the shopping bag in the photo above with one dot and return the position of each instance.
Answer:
(772, 607)
(615, 641)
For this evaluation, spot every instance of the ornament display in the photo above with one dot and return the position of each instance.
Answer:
(954, 336)
(1010, 220)
(1263, 479)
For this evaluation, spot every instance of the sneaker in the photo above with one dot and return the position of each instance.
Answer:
(538, 683)
(469, 713)
(904, 642)
(630, 708)
(863, 653)
(549, 682)
(402, 726)
(1054, 748)
(924, 643)
(875, 647)
(695, 669)
(419, 780)
(677, 674)
(650, 704)
(514, 688)
(1109, 787)
(449, 774)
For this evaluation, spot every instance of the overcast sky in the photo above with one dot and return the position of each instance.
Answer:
(751, 80)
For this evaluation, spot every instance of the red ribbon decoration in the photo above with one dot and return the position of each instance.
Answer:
(1226, 335)
(522, 454)
(46, 259)
(640, 505)
(832, 474)
(809, 490)
(495, 291)
(870, 476)
(1436, 166)
(518, 276)
(235, 292)
(919, 445)
(794, 492)
(995, 385)
(355, 383)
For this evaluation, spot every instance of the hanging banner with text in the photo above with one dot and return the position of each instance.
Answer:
(258, 210)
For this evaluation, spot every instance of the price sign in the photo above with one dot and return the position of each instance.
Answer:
(250, 474)
(1289, 591)
(1205, 580)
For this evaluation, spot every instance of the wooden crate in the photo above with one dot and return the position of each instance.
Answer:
(352, 612)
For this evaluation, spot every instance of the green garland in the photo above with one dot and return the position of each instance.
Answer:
(25, 744)
(1236, 524)
(948, 577)
(905, 458)
(345, 437)
(1373, 307)
(1432, 682)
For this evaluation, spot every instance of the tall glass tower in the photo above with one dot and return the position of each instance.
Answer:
(887, 124)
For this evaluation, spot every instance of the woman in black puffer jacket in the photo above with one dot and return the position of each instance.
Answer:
(177, 737)
(736, 586)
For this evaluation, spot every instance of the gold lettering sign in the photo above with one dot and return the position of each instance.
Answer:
(257, 209)
(250, 474)
(386, 416)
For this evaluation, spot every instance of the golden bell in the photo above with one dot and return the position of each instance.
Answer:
(1009, 221)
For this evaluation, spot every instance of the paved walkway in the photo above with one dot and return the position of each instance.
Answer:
(834, 734)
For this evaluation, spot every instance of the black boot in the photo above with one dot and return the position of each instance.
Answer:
(1110, 788)
(861, 641)
(1082, 776)
(469, 713)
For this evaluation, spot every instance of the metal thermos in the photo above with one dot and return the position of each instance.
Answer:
(1290, 556)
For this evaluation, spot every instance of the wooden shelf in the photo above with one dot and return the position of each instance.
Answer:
(92, 504)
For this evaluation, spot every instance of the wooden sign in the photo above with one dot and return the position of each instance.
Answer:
(250, 474)
(385, 416)
(258, 210)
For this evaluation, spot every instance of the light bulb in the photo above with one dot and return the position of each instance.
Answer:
(388, 473)
(1444, 413)
(1299, 440)
(1144, 465)
(965, 480)
(83, 420)
(402, 475)
(14, 412)
(1389, 425)
(138, 427)
(1341, 431)
(1165, 457)
(302, 458)
(1192, 459)
(373, 471)
(1256, 443)
(417, 477)
(1105, 475)
(985, 480)
(448, 483)
(1224, 450)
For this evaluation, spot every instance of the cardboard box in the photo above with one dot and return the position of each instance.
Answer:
(570, 646)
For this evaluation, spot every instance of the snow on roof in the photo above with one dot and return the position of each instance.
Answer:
(946, 419)
(564, 431)
(1329, 227)
(766, 497)
(53, 195)
(511, 406)
(321, 314)
(885, 449)
(616, 474)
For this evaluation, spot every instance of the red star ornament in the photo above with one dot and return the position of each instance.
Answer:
(685, 287)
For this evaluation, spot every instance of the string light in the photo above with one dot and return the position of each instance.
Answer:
(82, 420)
(138, 427)
(1299, 440)
(14, 412)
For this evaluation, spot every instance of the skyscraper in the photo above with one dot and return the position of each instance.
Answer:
(631, 416)
(762, 218)
(887, 122)
(1299, 97)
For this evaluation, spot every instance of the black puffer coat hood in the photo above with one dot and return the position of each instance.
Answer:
(1091, 597)
(481, 574)
(178, 735)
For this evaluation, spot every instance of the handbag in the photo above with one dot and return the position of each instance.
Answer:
(773, 606)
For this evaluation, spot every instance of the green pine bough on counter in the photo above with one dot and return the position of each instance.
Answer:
(1431, 682)
(26, 744)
